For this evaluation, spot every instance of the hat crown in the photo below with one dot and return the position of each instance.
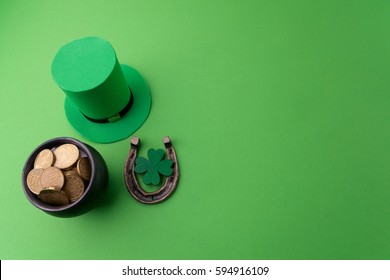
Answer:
(83, 64)
(89, 73)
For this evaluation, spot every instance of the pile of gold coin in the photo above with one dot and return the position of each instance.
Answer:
(59, 175)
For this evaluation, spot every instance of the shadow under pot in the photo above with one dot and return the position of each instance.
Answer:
(64, 177)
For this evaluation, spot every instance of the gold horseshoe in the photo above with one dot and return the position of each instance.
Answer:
(131, 180)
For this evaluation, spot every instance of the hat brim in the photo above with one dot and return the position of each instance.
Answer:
(124, 127)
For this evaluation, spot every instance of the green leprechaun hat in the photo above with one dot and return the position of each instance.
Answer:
(105, 101)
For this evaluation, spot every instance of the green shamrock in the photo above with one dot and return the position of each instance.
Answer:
(154, 166)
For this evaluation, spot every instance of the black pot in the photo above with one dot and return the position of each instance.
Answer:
(93, 190)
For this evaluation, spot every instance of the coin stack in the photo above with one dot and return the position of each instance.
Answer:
(59, 175)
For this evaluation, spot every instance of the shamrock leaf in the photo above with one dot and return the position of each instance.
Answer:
(154, 166)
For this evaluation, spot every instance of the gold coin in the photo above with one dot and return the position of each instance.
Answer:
(73, 166)
(54, 197)
(74, 185)
(84, 168)
(52, 177)
(44, 159)
(66, 155)
(34, 180)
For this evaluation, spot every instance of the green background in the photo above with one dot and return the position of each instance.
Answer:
(278, 110)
